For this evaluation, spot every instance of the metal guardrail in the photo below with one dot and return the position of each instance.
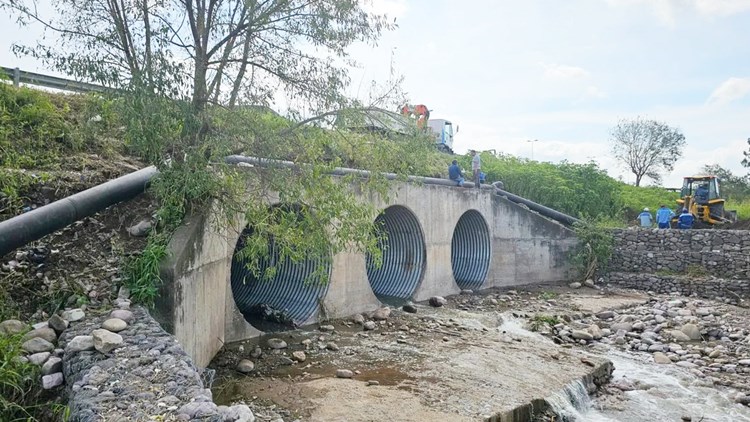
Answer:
(21, 76)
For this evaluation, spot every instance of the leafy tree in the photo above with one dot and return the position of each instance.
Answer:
(733, 187)
(646, 147)
(189, 76)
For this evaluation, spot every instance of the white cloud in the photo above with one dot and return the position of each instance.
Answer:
(391, 8)
(722, 7)
(730, 90)
(564, 72)
(594, 92)
(667, 10)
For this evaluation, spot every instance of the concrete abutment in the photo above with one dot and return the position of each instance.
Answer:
(439, 240)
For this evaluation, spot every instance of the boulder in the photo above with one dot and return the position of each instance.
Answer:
(381, 314)
(39, 358)
(105, 341)
(53, 364)
(52, 380)
(661, 358)
(80, 344)
(114, 325)
(692, 331)
(13, 326)
(276, 343)
(344, 373)
(37, 345)
(73, 315)
(581, 335)
(245, 366)
(122, 314)
(438, 301)
(46, 333)
(57, 323)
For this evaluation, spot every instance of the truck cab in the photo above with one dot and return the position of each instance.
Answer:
(443, 131)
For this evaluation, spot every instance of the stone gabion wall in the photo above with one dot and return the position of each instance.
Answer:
(722, 253)
(707, 287)
(145, 376)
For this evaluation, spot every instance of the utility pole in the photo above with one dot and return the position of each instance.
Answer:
(532, 147)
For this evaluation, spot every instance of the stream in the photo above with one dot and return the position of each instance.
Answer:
(670, 394)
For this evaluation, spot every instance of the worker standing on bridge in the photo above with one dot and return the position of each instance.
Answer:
(664, 216)
(476, 165)
(645, 218)
(685, 220)
(454, 173)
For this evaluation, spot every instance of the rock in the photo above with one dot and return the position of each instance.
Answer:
(639, 326)
(369, 325)
(661, 358)
(358, 319)
(467, 292)
(256, 353)
(286, 361)
(57, 323)
(122, 314)
(38, 359)
(276, 343)
(744, 362)
(372, 382)
(625, 326)
(326, 328)
(236, 413)
(37, 345)
(73, 315)
(715, 354)
(51, 381)
(581, 335)
(605, 314)
(80, 344)
(589, 283)
(686, 364)
(438, 301)
(332, 347)
(198, 409)
(344, 373)
(13, 326)
(575, 285)
(245, 366)
(678, 335)
(692, 331)
(595, 331)
(114, 325)
(141, 229)
(54, 364)
(701, 312)
(45, 333)
(105, 341)
(409, 308)
(299, 356)
(381, 314)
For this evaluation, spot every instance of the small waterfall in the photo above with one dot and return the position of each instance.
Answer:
(572, 403)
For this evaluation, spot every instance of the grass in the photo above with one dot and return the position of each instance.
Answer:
(743, 208)
(546, 295)
(540, 321)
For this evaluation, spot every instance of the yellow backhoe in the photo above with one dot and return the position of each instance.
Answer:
(701, 196)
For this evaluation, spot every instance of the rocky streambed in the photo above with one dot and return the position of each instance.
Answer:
(476, 357)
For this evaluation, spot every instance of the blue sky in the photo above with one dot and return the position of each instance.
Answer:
(562, 72)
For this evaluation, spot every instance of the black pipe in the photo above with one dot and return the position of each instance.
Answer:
(541, 209)
(342, 171)
(33, 225)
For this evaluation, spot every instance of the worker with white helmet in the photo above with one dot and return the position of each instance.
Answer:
(645, 218)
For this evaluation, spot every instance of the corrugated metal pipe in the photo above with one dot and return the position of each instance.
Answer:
(470, 250)
(33, 225)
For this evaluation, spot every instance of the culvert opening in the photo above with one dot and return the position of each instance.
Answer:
(286, 300)
(404, 256)
(470, 250)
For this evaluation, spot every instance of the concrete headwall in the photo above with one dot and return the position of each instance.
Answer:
(491, 242)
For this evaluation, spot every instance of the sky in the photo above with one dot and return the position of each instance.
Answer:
(562, 73)
(565, 72)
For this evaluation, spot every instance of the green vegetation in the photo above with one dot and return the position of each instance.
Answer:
(541, 321)
(20, 391)
(547, 295)
(594, 249)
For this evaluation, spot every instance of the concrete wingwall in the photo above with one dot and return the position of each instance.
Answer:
(440, 240)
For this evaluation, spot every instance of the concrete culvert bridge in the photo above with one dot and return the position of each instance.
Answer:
(290, 298)
(404, 256)
(470, 250)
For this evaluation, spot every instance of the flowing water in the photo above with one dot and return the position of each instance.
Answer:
(668, 394)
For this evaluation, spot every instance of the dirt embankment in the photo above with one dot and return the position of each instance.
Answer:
(82, 263)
